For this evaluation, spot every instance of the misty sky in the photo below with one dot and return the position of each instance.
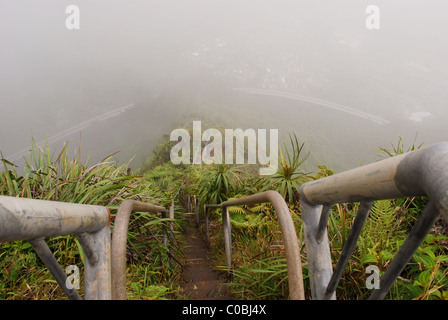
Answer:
(299, 62)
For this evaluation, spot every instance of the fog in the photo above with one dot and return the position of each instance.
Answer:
(135, 70)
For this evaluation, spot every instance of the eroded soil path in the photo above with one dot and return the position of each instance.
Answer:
(201, 282)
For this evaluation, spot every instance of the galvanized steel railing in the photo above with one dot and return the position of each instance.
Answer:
(119, 239)
(105, 258)
(419, 173)
(422, 172)
(34, 220)
(292, 247)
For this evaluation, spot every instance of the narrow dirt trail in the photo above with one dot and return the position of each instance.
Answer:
(201, 282)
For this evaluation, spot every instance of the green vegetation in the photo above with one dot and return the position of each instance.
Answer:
(154, 271)
(289, 176)
(59, 178)
(258, 253)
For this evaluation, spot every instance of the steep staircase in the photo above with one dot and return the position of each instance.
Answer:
(201, 282)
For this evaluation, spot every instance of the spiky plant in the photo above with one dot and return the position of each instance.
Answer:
(217, 182)
(289, 176)
(398, 148)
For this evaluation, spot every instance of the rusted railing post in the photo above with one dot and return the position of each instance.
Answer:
(206, 225)
(196, 209)
(171, 216)
(189, 208)
(227, 236)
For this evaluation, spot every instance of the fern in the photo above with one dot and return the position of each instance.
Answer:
(259, 208)
(236, 210)
(247, 221)
(381, 229)
(383, 215)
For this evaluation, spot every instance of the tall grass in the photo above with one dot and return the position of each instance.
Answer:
(58, 177)
(289, 176)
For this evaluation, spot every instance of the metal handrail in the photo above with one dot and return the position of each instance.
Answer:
(423, 172)
(119, 239)
(292, 247)
(105, 264)
(34, 220)
(418, 173)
